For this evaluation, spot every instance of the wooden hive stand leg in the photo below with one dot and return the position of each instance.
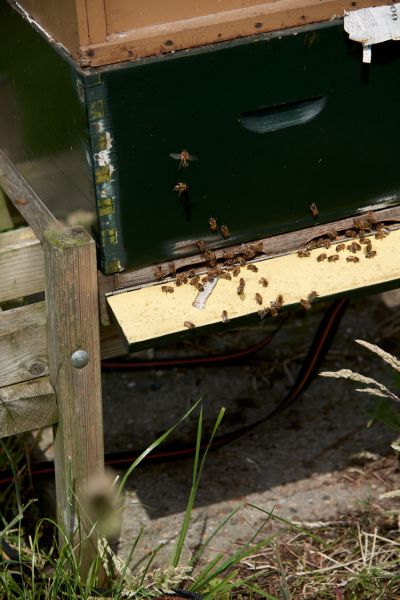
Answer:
(74, 365)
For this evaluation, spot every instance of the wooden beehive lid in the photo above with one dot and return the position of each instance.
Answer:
(102, 32)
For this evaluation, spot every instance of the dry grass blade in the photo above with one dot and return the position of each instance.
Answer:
(388, 358)
(381, 390)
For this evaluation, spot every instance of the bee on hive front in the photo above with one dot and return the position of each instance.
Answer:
(306, 304)
(212, 222)
(224, 231)
(184, 157)
(258, 298)
(252, 268)
(263, 281)
(158, 273)
(201, 245)
(167, 289)
(189, 324)
(180, 188)
(224, 317)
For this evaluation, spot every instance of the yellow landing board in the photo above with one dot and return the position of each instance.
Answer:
(148, 313)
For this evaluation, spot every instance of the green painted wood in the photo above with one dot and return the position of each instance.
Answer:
(276, 121)
(43, 124)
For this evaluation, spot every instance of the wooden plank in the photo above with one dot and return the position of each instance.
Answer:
(27, 406)
(179, 34)
(24, 198)
(273, 246)
(73, 326)
(21, 264)
(5, 217)
(23, 345)
(65, 22)
(96, 18)
(148, 314)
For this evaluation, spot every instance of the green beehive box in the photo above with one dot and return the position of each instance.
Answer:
(274, 122)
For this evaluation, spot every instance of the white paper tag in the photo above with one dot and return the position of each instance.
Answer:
(202, 297)
(372, 26)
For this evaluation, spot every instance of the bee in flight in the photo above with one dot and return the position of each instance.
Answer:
(184, 157)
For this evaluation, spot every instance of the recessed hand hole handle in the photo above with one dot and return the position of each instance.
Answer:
(281, 116)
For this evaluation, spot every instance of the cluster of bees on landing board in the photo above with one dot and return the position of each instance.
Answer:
(234, 260)
(361, 226)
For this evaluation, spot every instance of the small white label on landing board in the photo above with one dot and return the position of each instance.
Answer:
(202, 297)
(373, 25)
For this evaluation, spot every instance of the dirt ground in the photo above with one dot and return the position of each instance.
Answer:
(297, 465)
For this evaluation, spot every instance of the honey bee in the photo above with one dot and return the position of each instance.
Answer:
(353, 259)
(371, 217)
(311, 246)
(380, 235)
(249, 252)
(210, 258)
(350, 233)
(340, 247)
(252, 268)
(212, 223)
(354, 247)
(224, 317)
(192, 273)
(314, 209)
(332, 234)
(263, 281)
(195, 280)
(258, 298)
(321, 257)
(361, 223)
(257, 247)
(313, 294)
(229, 262)
(236, 271)
(184, 157)
(200, 287)
(180, 188)
(241, 260)
(333, 258)
(370, 254)
(167, 289)
(204, 279)
(210, 277)
(279, 301)
(201, 246)
(172, 268)
(225, 275)
(367, 242)
(241, 285)
(273, 310)
(306, 304)
(158, 272)
(303, 253)
(224, 231)
(229, 253)
(263, 312)
(189, 324)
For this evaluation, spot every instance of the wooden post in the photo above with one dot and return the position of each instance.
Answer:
(74, 366)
